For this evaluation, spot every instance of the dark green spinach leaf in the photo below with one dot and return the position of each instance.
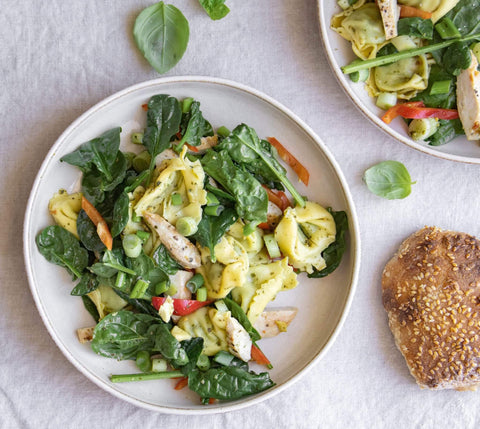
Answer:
(90, 307)
(416, 27)
(227, 383)
(333, 254)
(61, 247)
(446, 132)
(120, 214)
(88, 283)
(193, 347)
(87, 232)
(238, 313)
(165, 261)
(456, 58)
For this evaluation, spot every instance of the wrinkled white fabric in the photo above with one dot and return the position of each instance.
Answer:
(59, 58)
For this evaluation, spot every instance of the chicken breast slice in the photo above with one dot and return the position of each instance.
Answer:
(238, 340)
(271, 322)
(179, 280)
(389, 11)
(468, 99)
(179, 246)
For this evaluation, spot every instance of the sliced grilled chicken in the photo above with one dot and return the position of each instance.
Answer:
(271, 322)
(85, 334)
(205, 144)
(180, 279)
(389, 12)
(238, 340)
(180, 247)
(468, 99)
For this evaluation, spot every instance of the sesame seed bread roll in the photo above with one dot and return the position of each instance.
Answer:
(431, 292)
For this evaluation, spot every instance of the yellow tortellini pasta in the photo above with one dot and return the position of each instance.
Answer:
(180, 176)
(228, 272)
(362, 25)
(64, 208)
(252, 243)
(106, 300)
(438, 8)
(304, 233)
(263, 283)
(405, 78)
(209, 324)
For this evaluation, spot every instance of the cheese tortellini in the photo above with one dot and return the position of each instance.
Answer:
(228, 272)
(363, 26)
(175, 176)
(304, 233)
(262, 285)
(106, 300)
(209, 324)
(405, 77)
(438, 8)
(64, 208)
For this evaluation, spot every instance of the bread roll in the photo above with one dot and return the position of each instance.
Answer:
(431, 292)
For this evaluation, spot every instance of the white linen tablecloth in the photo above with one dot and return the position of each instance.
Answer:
(59, 58)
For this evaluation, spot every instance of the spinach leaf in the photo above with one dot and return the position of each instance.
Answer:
(140, 305)
(446, 132)
(456, 58)
(251, 199)
(193, 348)
(416, 27)
(161, 32)
(246, 148)
(228, 382)
(87, 232)
(166, 344)
(216, 9)
(164, 260)
(387, 50)
(101, 152)
(123, 334)
(88, 283)
(466, 17)
(90, 307)
(61, 247)
(163, 122)
(388, 179)
(333, 254)
(445, 101)
(238, 313)
(120, 214)
(112, 263)
(193, 126)
(212, 228)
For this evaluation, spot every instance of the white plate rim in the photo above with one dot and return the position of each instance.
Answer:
(354, 236)
(324, 23)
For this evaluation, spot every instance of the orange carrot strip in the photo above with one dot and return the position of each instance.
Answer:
(183, 382)
(293, 162)
(259, 357)
(412, 12)
(97, 219)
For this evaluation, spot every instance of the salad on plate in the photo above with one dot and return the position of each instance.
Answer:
(177, 250)
(419, 59)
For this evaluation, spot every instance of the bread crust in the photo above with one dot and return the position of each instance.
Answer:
(431, 292)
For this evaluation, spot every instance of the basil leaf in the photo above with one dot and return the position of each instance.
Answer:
(228, 382)
(61, 247)
(389, 179)
(216, 9)
(161, 32)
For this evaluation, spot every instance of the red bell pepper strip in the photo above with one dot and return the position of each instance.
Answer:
(181, 307)
(293, 162)
(412, 12)
(97, 219)
(417, 110)
(278, 198)
(258, 356)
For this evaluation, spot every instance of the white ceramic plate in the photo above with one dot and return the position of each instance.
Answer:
(322, 303)
(339, 53)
